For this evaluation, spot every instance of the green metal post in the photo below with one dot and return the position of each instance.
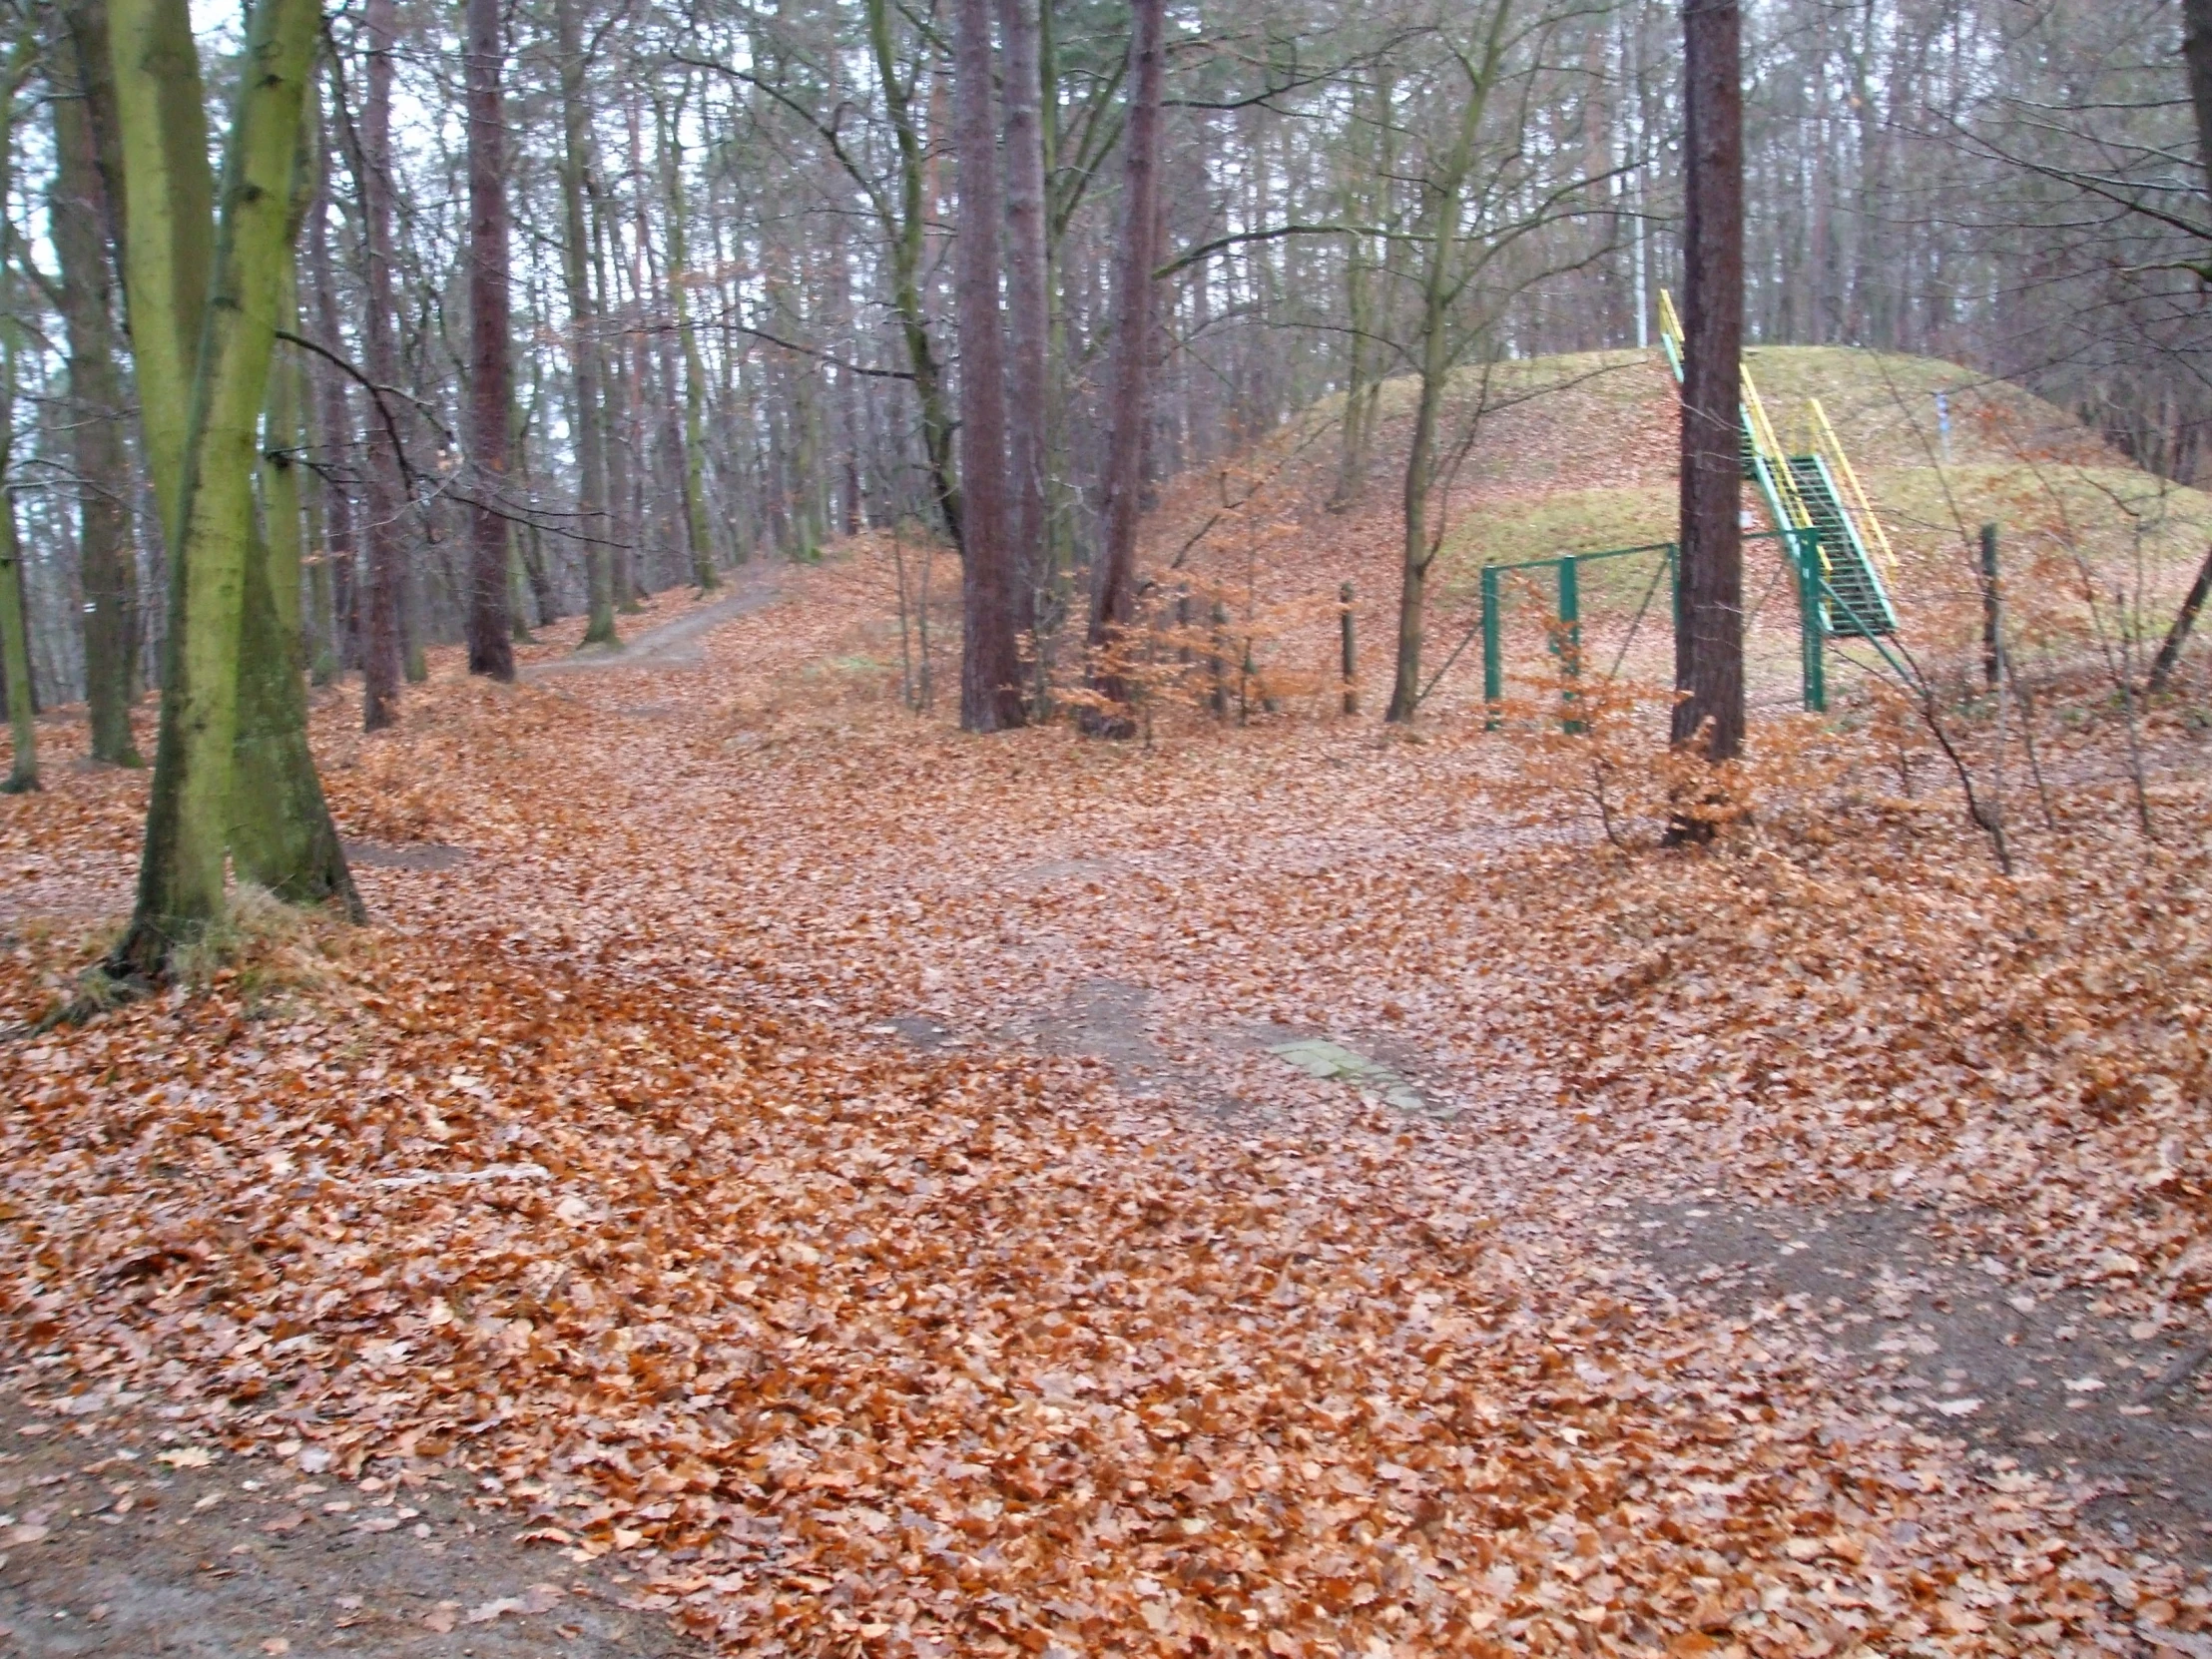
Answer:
(1570, 631)
(1674, 586)
(1805, 546)
(1493, 670)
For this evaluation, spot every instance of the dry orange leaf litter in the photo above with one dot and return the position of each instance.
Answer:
(836, 1168)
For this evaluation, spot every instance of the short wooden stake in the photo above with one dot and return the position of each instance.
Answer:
(1993, 653)
(1350, 656)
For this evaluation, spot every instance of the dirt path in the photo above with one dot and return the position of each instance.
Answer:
(672, 644)
(121, 1536)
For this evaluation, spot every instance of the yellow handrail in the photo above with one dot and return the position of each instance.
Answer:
(1770, 451)
(1831, 450)
(1670, 322)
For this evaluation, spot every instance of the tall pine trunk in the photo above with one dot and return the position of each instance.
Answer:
(991, 659)
(592, 521)
(1114, 581)
(1028, 301)
(1709, 638)
(170, 281)
(491, 366)
(107, 556)
(386, 497)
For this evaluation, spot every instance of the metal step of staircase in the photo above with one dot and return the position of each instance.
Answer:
(1857, 605)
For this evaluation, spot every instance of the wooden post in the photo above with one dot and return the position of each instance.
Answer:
(1220, 654)
(1351, 658)
(1991, 650)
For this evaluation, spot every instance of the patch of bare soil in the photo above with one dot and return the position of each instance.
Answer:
(121, 1535)
(2116, 1407)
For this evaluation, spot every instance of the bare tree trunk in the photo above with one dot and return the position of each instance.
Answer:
(15, 630)
(1114, 582)
(618, 430)
(909, 243)
(2196, 52)
(1444, 195)
(2177, 636)
(1366, 198)
(381, 347)
(491, 384)
(1028, 301)
(991, 661)
(341, 550)
(1709, 638)
(590, 435)
(107, 558)
(697, 531)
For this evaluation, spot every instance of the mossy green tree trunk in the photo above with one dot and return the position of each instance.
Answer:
(205, 464)
(281, 834)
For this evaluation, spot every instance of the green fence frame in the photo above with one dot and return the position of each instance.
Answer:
(1803, 546)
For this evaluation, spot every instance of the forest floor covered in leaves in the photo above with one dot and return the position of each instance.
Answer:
(1290, 1189)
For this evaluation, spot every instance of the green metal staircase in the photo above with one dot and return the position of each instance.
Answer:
(1811, 486)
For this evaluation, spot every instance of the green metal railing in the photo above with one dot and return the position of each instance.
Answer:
(1806, 565)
